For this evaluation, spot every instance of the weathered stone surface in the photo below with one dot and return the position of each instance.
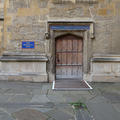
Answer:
(83, 115)
(5, 116)
(103, 109)
(58, 115)
(26, 20)
(15, 68)
(1, 36)
(15, 102)
(29, 67)
(106, 68)
(30, 114)
(40, 99)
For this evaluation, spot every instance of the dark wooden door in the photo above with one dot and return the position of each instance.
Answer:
(69, 56)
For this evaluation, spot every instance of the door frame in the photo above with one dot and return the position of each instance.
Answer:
(82, 51)
(87, 53)
(87, 34)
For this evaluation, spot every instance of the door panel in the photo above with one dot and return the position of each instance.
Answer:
(80, 60)
(75, 46)
(64, 58)
(69, 45)
(59, 45)
(74, 58)
(79, 42)
(58, 58)
(69, 57)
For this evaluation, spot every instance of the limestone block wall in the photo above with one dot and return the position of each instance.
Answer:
(105, 69)
(26, 20)
(23, 67)
(107, 17)
(23, 71)
(1, 24)
(1, 36)
(1, 8)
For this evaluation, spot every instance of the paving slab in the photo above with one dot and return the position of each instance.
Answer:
(60, 115)
(43, 110)
(11, 110)
(54, 92)
(82, 92)
(24, 98)
(5, 98)
(45, 88)
(73, 98)
(39, 99)
(112, 97)
(66, 108)
(36, 91)
(103, 111)
(20, 99)
(56, 98)
(5, 116)
(18, 91)
(116, 106)
(29, 114)
(83, 115)
(98, 99)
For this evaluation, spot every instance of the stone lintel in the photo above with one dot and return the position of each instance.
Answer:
(87, 20)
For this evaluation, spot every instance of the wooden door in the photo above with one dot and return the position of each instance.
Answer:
(69, 57)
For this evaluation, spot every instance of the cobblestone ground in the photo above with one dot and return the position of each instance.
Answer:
(37, 101)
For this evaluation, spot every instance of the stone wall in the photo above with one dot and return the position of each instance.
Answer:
(26, 20)
(1, 36)
(1, 23)
(1, 8)
(105, 68)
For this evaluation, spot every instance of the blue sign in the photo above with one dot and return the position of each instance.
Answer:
(71, 27)
(28, 44)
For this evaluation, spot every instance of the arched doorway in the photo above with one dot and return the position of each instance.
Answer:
(69, 57)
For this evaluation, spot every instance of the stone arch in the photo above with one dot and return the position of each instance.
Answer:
(69, 34)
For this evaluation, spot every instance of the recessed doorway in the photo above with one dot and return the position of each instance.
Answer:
(69, 63)
(69, 57)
